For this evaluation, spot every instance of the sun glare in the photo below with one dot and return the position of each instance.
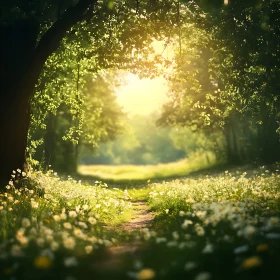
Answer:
(142, 96)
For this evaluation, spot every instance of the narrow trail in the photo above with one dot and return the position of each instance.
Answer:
(143, 218)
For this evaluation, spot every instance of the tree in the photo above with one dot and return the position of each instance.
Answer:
(31, 31)
(225, 75)
(24, 52)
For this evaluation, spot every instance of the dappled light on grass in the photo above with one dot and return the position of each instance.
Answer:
(147, 172)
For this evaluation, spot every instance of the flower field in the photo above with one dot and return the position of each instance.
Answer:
(225, 226)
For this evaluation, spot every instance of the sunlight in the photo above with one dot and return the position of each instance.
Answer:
(142, 96)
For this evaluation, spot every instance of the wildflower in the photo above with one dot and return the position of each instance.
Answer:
(70, 261)
(249, 230)
(173, 243)
(241, 249)
(203, 276)
(69, 243)
(272, 235)
(34, 204)
(43, 262)
(166, 211)
(67, 225)
(54, 245)
(201, 214)
(63, 216)
(92, 220)
(47, 253)
(272, 222)
(186, 224)
(40, 241)
(181, 213)
(200, 231)
(251, 262)
(160, 240)
(190, 265)
(56, 218)
(175, 235)
(85, 207)
(145, 274)
(208, 249)
(25, 222)
(78, 233)
(88, 249)
(83, 225)
(20, 233)
(16, 250)
(72, 214)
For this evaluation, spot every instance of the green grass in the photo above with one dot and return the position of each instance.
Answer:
(224, 225)
(132, 173)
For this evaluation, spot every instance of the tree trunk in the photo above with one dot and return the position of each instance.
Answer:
(17, 51)
(50, 141)
(231, 144)
(21, 64)
(269, 141)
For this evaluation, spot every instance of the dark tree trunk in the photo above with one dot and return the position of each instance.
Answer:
(50, 140)
(231, 144)
(21, 64)
(269, 141)
(17, 51)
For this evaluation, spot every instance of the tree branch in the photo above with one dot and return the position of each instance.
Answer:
(53, 36)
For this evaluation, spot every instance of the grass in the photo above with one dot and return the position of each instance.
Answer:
(222, 227)
(142, 173)
(218, 227)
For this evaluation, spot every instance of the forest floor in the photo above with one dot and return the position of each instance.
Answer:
(216, 224)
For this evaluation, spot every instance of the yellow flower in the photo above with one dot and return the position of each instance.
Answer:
(145, 274)
(251, 262)
(42, 262)
(262, 247)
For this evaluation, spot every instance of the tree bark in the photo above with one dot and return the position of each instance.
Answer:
(21, 64)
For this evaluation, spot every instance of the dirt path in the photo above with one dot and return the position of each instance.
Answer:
(143, 219)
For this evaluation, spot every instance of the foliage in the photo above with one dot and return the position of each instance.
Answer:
(96, 119)
(225, 76)
(143, 142)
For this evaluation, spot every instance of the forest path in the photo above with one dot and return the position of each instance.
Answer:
(143, 218)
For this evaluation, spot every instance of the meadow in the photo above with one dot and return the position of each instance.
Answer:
(217, 226)
(129, 172)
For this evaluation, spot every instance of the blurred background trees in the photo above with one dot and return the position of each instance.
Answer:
(226, 77)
